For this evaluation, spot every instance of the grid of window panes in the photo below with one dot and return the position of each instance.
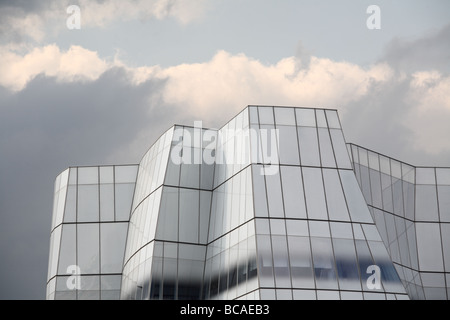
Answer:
(411, 209)
(90, 223)
(315, 235)
(230, 268)
(171, 264)
(168, 228)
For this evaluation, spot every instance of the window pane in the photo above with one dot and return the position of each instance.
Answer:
(71, 205)
(445, 230)
(88, 175)
(444, 203)
(68, 249)
(426, 203)
(340, 149)
(167, 227)
(323, 263)
(346, 264)
(443, 176)
(321, 121)
(107, 202)
(429, 247)
(375, 184)
(355, 201)
(294, 201)
(88, 248)
(88, 203)
(189, 215)
(305, 117)
(425, 176)
(284, 116)
(265, 268)
(190, 170)
(326, 151)
(106, 175)
(90, 288)
(309, 148)
(288, 146)
(337, 207)
(300, 261)
(332, 119)
(274, 195)
(110, 286)
(315, 199)
(266, 115)
(281, 262)
(113, 237)
(253, 115)
(123, 198)
(259, 191)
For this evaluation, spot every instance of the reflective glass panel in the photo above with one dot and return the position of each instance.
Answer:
(123, 200)
(355, 201)
(332, 119)
(88, 248)
(292, 184)
(426, 203)
(337, 207)
(189, 215)
(323, 263)
(284, 116)
(288, 146)
(326, 151)
(274, 195)
(309, 148)
(67, 253)
(88, 175)
(305, 117)
(300, 262)
(107, 202)
(88, 205)
(113, 238)
(266, 115)
(315, 198)
(429, 247)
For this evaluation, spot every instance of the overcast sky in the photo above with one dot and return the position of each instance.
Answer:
(103, 93)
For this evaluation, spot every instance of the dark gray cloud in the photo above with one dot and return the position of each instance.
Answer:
(46, 128)
(380, 120)
(430, 51)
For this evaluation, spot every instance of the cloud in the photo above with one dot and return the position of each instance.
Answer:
(217, 89)
(23, 21)
(46, 127)
(76, 63)
(430, 51)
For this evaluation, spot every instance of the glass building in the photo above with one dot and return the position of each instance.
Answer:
(273, 205)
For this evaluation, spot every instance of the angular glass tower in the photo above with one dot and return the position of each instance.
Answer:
(274, 205)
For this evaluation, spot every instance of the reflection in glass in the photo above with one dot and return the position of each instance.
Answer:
(323, 263)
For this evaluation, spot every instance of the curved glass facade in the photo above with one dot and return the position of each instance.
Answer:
(273, 205)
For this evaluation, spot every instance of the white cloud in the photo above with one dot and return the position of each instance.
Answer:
(76, 63)
(237, 80)
(215, 90)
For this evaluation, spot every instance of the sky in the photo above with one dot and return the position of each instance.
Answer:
(102, 91)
